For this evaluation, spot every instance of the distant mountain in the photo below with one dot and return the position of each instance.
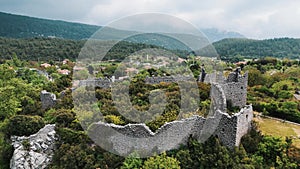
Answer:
(215, 34)
(18, 26)
(229, 49)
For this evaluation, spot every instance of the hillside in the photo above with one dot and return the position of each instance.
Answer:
(45, 49)
(231, 49)
(17, 26)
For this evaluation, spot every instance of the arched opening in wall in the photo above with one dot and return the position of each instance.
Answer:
(247, 116)
(242, 87)
(223, 130)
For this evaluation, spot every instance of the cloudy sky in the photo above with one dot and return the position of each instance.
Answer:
(253, 18)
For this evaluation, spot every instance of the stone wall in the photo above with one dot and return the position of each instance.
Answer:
(35, 151)
(218, 98)
(48, 99)
(167, 79)
(244, 119)
(106, 82)
(234, 86)
(216, 77)
(123, 140)
(156, 80)
(236, 92)
(100, 82)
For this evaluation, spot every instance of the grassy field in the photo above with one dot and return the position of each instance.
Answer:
(278, 128)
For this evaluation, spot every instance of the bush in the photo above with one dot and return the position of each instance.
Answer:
(266, 91)
(61, 117)
(161, 162)
(114, 119)
(284, 95)
(132, 162)
(6, 151)
(73, 156)
(72, 137)
(259, 106)
(21, 125)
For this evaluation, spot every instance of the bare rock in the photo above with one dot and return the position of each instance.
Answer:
(35, 151)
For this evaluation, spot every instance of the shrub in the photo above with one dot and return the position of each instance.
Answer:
(161, 162)
(114, 119)
(132, 162)
(284, 95)
(21, 125)
(61, 117)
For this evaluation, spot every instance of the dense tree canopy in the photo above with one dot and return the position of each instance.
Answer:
(236, 49)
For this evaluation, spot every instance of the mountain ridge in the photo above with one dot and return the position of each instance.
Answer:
(251, 48)
(20, 26)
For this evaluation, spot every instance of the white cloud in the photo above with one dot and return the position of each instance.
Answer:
(253, 18)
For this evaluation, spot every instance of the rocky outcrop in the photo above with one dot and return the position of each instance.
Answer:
(35, 151)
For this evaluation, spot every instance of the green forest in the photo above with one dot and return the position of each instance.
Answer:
(16, 26)
(233, 50)
(45, 49)
(239, 49)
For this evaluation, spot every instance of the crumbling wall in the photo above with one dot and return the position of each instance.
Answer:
(226, 130)
(123, 140)
(218, 98)
(106, 82)
(101, 82)
(215, 77)
(236, 92)
(244, 119)
(167, 79)
(156, 79)
(48, 99)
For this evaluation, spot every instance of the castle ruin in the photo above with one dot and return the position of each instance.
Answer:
(123, 140)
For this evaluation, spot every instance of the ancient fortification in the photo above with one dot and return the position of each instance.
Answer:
(123, 140)
(48, 99)
(229, 129)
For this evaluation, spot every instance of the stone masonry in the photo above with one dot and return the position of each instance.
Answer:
(48, 99)
(123, 140)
